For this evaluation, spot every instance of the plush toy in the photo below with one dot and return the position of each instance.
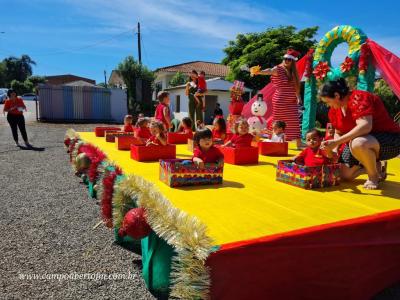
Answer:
(135, 224)
(257, 122)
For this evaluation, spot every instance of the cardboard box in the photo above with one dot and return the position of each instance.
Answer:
(180, 172)
(124, 142)
(152, 152)
(273, 148)
(240, 156)
(177, 138)
(100, 130)
(307, 177)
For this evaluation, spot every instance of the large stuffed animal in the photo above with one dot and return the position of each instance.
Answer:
(257, 122)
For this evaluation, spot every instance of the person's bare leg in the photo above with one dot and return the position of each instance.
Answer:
(366, 150)
(299, 144)
(349, 174)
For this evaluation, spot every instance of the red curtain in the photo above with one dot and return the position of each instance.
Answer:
(269, 90)
(388, 65)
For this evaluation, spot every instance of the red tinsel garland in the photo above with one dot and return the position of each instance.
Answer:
(347, 65)
(96, 156)
(321, 70)
(365, 53)
(106, 200)
(309, 61)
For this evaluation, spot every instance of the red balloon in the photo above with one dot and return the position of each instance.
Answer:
(135, 224)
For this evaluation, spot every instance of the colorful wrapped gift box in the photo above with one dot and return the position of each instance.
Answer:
(180, 172)
(240, 156)
(177, 138)
(100, 130)
(273, 148)
(307, 177)
(152, 152)
(124, 142)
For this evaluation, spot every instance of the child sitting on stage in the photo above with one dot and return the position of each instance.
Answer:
(201, 89)
(219, 130)
(278, 132)
(330, 132)
(128, 127)
(158, 136)
(242, 137)
(313, 156)
(142, 131)
(205, 151)
(186, 127)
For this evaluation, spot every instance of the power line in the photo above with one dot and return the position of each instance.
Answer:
(144, 49)
(83, 47)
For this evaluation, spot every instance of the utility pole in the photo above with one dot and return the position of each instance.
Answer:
(139, 46)
(105, 79)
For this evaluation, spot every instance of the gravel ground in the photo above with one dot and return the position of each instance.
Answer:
(46, 226)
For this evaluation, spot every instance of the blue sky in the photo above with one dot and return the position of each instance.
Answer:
(86, 37)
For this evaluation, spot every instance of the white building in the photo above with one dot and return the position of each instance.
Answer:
(217, 91)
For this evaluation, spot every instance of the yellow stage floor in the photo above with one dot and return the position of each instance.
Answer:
(251, 204)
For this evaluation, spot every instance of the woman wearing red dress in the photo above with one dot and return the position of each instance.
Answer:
(366, 126)
(286, 100)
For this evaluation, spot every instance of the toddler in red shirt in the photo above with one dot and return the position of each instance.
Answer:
(201, 89)
(242, 137)
(128, 127)
(219, 130)
(205, 151)
(313, 156)
(158, 136)
(186, 127)
(142, 131)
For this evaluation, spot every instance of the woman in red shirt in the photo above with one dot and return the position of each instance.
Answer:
(374, 136)
(14, 107)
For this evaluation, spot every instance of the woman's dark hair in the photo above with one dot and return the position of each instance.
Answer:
(222, 124)
(195, 72)
(10, 91)
(336, 86)
(202, 134)
(187, 121)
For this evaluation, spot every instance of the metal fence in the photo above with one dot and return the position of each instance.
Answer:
(85, 104)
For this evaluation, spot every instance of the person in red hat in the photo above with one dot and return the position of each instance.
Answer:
(286, 100)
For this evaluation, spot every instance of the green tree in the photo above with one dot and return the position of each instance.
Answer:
(131, 71)
(18, 68)
(178, 79)
(265, 49)
(390, 100)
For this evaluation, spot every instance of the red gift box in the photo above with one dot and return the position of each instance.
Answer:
(240, 156)
(177, 138)
(273, 148)
(124, 142)
(152, 152)
(100, 130)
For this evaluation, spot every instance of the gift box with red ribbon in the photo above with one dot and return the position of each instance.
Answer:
(273, 148)
(307, 177)
(124, 142)
(180, 172)
(240, 156)
(152, 152)
(100, 130)
(177, 138)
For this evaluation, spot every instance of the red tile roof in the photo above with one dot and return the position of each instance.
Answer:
(210, 68)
